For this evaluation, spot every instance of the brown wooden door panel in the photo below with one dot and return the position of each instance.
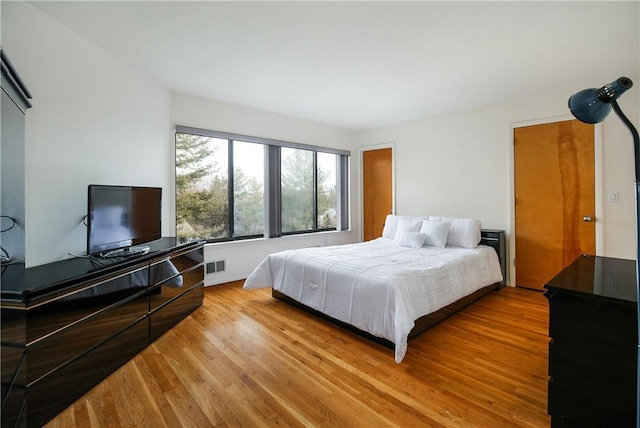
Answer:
(377, 192)
(554, 190)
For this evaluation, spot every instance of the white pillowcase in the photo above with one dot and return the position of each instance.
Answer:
(465, 232)
(391, 224)
(436, 233)
(408, 225)
(410, 239)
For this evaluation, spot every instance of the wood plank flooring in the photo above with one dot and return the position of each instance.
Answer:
(246, 359)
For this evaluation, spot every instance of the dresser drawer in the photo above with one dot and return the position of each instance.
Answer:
(63, 387)
(65, 344)
(172, 312)
(83, 301)
(174, 276)
(574, 399)
(592, 320)
(569, 356)
(169, 270)
(592, 375)
(13, 380)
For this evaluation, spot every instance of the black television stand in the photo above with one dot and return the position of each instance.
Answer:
(67, 325)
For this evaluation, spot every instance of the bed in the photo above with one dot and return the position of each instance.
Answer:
(392, 288)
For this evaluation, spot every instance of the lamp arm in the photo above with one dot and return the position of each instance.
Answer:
(634, 134)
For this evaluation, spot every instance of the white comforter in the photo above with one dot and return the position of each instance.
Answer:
(377, 286)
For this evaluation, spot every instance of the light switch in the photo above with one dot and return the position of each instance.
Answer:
(613, 197)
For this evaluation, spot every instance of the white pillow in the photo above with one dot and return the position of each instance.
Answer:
(391, 224)
(410, 239)
(436, 233)
(408, 225)
(465, 232)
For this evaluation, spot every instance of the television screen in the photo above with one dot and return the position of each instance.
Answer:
(120, 217)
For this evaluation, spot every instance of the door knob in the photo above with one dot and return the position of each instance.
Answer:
(587, 218)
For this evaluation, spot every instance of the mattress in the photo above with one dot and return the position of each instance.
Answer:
(377, 286)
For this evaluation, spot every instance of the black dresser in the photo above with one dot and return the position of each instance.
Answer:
(67, 325)
(593, 348)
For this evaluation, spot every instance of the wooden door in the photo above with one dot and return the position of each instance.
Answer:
(377, 192)
(554, 198)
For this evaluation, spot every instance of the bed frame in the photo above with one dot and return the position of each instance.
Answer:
(492, 238)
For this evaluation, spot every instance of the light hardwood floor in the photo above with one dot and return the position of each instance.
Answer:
(246, 359)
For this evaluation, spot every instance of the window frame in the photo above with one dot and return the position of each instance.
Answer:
(272, 183)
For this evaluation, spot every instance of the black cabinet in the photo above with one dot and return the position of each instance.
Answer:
(593, 345)
(68, 325)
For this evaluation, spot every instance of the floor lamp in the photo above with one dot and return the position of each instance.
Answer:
(593, 106)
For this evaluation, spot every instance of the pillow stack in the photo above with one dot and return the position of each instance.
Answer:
(436, 233)
(408, 233)
(465, 232)
(391, 224)
(432, 231)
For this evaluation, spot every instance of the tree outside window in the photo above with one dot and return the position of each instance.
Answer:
(297, 190)
(301, 192)
(248, 189)
(327, 190)
(202, 202)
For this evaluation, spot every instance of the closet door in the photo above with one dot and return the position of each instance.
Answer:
(377, 178)
(554, 199)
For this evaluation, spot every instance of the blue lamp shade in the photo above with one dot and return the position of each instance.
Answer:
(593, 105)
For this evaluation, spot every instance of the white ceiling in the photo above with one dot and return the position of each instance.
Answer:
(364, 64)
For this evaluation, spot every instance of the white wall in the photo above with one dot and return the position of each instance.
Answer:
(243, 256)
(94, 120)
(197, 112)
(461, 164)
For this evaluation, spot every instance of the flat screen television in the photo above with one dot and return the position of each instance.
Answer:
(121, 217)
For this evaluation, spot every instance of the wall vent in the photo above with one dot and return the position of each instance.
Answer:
(215, 267)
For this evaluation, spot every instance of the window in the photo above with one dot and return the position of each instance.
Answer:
(248, 189)
(327, 190)
(309, 197)
(202, 187)
(231, 186)
(298, 193)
